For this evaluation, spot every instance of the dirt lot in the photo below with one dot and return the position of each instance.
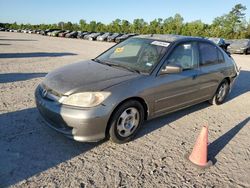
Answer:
(33, 155)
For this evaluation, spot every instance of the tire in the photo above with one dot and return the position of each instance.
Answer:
(221, 93)
(126, 121)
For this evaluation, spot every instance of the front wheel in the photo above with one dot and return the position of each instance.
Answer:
(221, 93)
(126, 121)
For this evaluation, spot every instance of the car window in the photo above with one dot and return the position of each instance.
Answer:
(136, 53)
(220, 57)
(184, 55)
(209, 54)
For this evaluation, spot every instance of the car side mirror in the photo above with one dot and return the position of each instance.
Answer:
(171, 69)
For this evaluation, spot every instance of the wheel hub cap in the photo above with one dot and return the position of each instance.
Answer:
(128, 122)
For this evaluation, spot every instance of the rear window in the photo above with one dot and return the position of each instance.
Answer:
(210, 55)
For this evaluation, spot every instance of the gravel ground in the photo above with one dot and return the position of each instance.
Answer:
(33, 155)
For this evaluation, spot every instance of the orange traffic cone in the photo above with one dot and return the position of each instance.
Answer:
(199, 153)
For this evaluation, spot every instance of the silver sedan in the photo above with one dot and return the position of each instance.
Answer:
(138, 79)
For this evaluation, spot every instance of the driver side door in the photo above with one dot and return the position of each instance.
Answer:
(174, 91)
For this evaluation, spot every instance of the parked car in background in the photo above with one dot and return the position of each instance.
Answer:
(52, 32)
(38, 31)
(220, 42)
(240, 46)
(138, 79)
(79, 34)
(229, 41)
(86, 37)
(124, 37)
(72, 34)
(56, 33)
(47, 31)
(93, 36)
(103, 37)
(112, 37)
(64, 33)
(83, 34)
(33, 31)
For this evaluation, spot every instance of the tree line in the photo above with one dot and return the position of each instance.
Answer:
(232, 25)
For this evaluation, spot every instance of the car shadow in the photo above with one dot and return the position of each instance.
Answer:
(5, 44)
(157, 123)
(28, 147)
(35, 54)
(17, 40)
(216, 146)
(14, 77)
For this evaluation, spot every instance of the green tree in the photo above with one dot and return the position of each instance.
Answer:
(195, 28)
(92, 26)
(229, 25)
(173, 25)
(138, 26)
(125, 26)
(83, 25)
(156, 26)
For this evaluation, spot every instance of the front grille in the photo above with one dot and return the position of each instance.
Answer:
(48, 93)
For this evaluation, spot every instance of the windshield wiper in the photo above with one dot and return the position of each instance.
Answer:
(99, 61)
(116, 65)
(124, 67)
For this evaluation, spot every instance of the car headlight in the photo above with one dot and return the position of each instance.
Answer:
(85, 99)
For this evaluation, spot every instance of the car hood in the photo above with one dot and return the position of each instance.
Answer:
(85, 76)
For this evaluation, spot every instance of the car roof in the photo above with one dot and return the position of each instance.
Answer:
(169, 37)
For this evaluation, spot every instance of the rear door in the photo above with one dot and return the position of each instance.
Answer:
(212, 69)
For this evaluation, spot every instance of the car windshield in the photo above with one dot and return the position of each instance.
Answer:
(135, 54)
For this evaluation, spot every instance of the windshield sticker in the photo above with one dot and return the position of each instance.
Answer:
(149, 64)
(159, 43)
(119, 50)
(187, 46)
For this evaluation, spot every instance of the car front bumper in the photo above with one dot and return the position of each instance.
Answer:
(80, 124)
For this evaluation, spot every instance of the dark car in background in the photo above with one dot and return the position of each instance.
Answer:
(112, 37)
(138, 79)
(46, 31)
(124, 37)
(240, 46)
(64, 33)
(72, 34)
(83, 34)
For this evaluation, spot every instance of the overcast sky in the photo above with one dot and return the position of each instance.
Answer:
(54, 11)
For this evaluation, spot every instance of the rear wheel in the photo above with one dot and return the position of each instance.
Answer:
(221, 93)
(126, 121)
